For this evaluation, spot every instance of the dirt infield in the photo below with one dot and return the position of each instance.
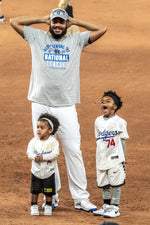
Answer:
(119, 61)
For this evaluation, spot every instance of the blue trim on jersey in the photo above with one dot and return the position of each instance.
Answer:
(104, 138)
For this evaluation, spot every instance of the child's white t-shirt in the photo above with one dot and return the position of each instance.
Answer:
(49, 150)
(108, 133)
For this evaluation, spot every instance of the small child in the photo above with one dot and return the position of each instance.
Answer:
(43, 151)
(110, 133)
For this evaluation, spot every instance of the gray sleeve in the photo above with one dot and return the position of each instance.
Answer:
(29, 34)
(84, 38)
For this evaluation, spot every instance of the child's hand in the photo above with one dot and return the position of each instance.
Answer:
(38, 158)
(119, 132)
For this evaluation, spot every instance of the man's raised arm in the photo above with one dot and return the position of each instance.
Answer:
(18, 22)
(97, 30)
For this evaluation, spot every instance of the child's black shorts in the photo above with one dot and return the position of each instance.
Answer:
(46, 186)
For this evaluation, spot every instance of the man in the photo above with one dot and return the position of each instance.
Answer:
(55, 89)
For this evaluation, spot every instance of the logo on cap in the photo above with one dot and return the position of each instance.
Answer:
(61, 13)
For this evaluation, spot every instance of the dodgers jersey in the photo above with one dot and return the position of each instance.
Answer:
(49, 150)
(55, 67)
(108, 133)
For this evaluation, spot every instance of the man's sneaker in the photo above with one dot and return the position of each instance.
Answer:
(48, 210)
(2, 18)
(55, 201)
(112, 212)
(100, 212)
(43, 206)
(85, 205)
(34, 210)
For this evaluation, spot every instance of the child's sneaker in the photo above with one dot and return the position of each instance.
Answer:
(34, 210)
(2, 18)
(112, 212)
(48, 210)
(55, 201)
(100, 212)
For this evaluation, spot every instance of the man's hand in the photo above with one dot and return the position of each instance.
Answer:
(19, 22)
(97, 30)
(47, 19)
(70, 22)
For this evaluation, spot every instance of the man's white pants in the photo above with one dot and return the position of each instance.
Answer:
(69, 135)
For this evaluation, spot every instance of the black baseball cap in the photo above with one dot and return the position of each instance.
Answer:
(108, 223)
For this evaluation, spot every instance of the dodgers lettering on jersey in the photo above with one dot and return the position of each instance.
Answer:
(106, 134)
(56, 56)
(42, 153)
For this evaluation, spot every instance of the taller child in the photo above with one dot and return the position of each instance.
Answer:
(111, 134)
(55, 86)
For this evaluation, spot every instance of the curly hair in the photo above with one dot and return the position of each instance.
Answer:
(53, 119)
(115, 97)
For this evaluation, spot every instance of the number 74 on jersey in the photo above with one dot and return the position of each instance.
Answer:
(110, 142)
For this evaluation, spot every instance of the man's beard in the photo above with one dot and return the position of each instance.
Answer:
(57, 36)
